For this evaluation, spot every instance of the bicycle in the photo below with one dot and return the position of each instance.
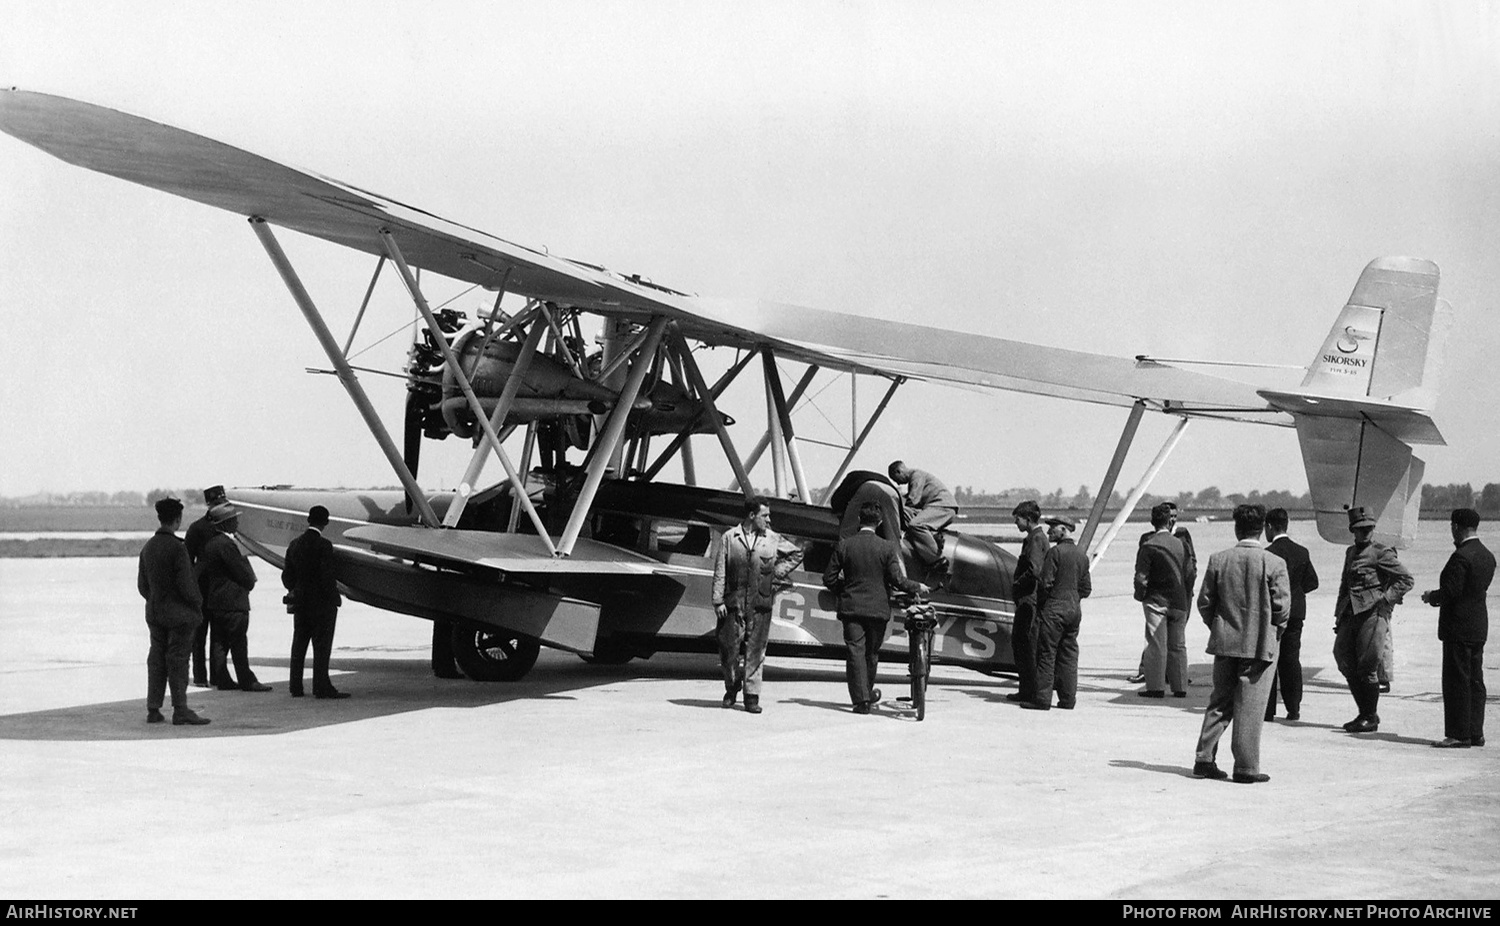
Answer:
(921, 621)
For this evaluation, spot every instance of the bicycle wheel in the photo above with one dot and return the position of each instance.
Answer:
(920, 669)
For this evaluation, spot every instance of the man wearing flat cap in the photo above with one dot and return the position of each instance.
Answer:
(225, 578)
(1028, 517)
(1463, 626)
(1063, 583)
(173, 609)
(1372, 584)
(196, 538)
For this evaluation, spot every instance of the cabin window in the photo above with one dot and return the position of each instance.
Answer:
(685, 537)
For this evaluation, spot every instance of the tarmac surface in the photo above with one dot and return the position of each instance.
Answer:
(632, 781)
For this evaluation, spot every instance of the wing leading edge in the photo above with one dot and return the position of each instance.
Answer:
(216, 174)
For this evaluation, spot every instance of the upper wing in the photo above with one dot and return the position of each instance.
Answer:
(216, 174)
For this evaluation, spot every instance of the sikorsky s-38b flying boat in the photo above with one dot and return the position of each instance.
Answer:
(599, 556)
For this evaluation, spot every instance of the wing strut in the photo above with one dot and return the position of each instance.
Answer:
(695, 376)
(860, 440)
(342, 369)
(785, 436)
(679, 378)
(1140, 489)
(527, 449)
(791, 402)
(607, 442)
(394, 251)
(497, 418)
(695, 382)
(369, 291)
(1112, 473)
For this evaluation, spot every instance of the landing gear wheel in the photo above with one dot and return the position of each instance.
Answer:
(493, 655)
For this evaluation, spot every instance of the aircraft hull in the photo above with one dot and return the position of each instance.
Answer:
(626, 615)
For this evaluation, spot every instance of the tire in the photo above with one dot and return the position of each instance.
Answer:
(493, 655)
(919, 678)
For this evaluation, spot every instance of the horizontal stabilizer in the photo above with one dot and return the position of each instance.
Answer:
(1412, 425)
(1352, 463)
(513, 553)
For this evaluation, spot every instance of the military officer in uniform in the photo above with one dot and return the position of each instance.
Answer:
(1372, 584)
(197, 537)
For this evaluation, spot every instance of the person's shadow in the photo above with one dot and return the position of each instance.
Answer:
(1177, 770)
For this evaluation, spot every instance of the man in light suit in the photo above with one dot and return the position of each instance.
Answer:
(1245, 600)
(174, 609)
(1463, 626)
(309, 576)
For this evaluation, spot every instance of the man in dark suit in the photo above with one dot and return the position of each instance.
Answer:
(309, 576)
(1463, 626)
(173, 610)
(1063, 583)
(1023, 582)
(1303, 579)
(863, 570)
(197, 537)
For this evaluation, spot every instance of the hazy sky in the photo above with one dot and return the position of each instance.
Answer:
(1179, 179)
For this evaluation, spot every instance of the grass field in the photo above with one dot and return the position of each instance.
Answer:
(86, 518)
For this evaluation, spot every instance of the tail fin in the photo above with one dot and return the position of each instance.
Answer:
(1368, 395)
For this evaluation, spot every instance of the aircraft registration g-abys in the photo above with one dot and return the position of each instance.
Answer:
(581, 546)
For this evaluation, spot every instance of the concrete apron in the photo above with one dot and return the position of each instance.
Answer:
(586, 781)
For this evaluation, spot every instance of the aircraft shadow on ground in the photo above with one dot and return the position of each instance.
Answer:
(383, 687)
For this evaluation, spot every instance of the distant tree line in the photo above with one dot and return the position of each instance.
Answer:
(124, 499)
(1435, 499)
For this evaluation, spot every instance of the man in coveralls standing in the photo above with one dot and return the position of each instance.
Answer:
(752, 564)
(1064, 581)
(1373, 583)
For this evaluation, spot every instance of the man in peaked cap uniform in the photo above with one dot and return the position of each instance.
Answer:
(197, 536)
(225, 578)
(1373, 583)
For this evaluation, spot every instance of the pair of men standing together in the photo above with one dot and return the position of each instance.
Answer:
(1048, 585)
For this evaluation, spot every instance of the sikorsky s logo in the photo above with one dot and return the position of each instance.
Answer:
(1349, 343)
